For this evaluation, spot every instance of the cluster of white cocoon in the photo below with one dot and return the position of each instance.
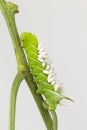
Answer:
(43, 58)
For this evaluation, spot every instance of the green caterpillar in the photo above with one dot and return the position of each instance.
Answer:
(52, 96)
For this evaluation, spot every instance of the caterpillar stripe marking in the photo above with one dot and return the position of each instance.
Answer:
(42, 71)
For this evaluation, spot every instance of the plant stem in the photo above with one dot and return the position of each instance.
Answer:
(9, 18)
(14, 90)
(39, 100)
(55, 121)
(8, 14)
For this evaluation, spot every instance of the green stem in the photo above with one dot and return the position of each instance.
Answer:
(16, 83)
(8, 13)
(39, 100)
(54, 116)
(55, 121)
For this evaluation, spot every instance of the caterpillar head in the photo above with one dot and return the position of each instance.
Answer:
(29, 39)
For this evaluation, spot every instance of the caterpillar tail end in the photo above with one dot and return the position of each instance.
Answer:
(67, 98)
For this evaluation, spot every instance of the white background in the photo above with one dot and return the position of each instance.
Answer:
(61, 25)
